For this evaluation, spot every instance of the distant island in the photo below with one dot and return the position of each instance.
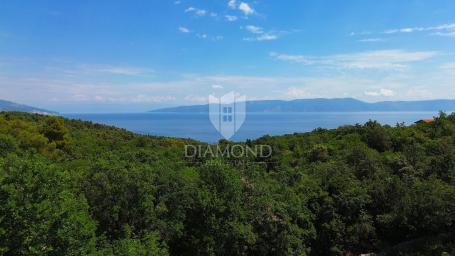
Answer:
(327, 105)
(15, 107)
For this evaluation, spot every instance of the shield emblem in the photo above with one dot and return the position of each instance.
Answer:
(227, 113)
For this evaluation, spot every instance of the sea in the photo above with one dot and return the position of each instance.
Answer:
(197, 126)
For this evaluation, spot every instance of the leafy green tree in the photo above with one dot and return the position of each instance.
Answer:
(39, 214)
(377, 137)
(319, 153)
(7, 145)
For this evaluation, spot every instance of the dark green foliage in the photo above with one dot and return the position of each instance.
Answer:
(40, 215)
(318, 153)
(69, 187)
(376, 136)
(7, 145)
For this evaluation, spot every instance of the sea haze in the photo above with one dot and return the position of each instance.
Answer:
(329, 105)
(197, 125)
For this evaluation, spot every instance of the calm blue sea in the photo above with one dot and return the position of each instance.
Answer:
(197, 125)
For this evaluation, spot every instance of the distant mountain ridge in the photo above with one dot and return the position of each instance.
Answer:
(327, 105)
(11, 106)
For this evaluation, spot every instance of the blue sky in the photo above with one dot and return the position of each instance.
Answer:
(128, 56)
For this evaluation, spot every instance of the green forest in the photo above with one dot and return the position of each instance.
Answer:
(70, 187)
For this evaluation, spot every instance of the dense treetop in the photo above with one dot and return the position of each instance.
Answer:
(70, 187)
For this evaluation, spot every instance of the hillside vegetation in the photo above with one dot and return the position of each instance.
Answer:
(69, 187)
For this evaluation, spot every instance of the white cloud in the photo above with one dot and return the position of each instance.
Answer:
(371, 40)
(232, 4)
(254, 29)
(382, 59)
(100, 83)
(295, 93)
(143, 98)
(200, 35)
(402, 30)
(231, 18)
(364, 33)
(139, 98)
(197, 11)
(293, 58)
(63, 90)
(217, 86)
(448, 26)
(266, 37)
(383, 92)
(209, 37)
(246, 9)
(122, 71)
(261, 35)
(113, 70)
(419, 93)
(196, 99)
(184, 30)
(445, 34)
(441, 30)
